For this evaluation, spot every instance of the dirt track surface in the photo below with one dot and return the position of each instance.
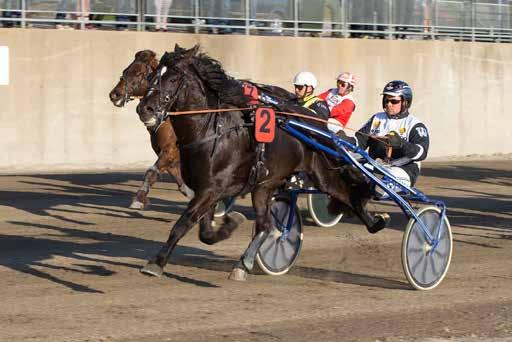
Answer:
(71, 250)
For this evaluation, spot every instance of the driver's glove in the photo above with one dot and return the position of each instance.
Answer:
(342, 135)
(395, 140)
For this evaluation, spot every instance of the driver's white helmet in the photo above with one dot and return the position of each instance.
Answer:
(305, 78)
(347, 77)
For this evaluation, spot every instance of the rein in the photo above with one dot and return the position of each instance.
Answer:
(216, 134)
(126, 98)
(211, 137)
(204, 111)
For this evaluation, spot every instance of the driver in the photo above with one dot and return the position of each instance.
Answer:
(403, 131)
(304, 84)
(339, 99)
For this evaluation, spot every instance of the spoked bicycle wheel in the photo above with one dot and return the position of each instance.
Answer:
(224, 206)
(425, 266)
(280, 250)
(317, 206)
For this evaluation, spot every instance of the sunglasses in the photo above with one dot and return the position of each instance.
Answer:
(299, 87)
(393, 101)
(342, 83)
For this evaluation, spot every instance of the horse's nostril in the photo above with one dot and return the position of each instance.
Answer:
(149, 110)
(114, 96)
(144, 110)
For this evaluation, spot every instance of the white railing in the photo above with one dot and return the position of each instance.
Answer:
(384, 19)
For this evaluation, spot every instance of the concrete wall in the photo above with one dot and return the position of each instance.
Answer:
(55, 113)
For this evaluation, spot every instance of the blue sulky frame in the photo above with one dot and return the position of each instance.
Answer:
(387, 183)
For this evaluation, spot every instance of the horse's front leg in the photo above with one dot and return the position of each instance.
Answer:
(169, 160)
(261, 198)
(140, 201)
(196, 209)
(159, 139)
(169, 155)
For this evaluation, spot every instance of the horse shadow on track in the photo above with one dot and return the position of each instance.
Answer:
(71, 199)
(61, 196)
(31, 254)
(83, 191)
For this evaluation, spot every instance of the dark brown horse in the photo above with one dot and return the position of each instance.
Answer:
(134, 84)
(218, 158)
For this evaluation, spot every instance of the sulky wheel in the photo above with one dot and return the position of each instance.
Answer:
(425, 265)
(317, 205)
(280, 250)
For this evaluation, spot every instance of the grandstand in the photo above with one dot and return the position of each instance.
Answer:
(459, 20)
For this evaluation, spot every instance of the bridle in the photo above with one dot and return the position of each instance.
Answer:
(130, 87)
(166, 99)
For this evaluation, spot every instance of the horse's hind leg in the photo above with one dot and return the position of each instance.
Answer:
(373, 223)
(353, 192)
(261, 198)
(230, 222)
(197, 208)
(359, 195)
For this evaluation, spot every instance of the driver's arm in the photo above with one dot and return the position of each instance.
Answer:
(363, 134)
(417, 146)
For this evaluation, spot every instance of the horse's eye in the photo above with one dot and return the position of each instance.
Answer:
(167, 98)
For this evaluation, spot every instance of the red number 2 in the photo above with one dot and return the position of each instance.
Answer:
(265, 124)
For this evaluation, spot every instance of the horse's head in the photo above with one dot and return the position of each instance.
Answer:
(173, 85)
(134, 81)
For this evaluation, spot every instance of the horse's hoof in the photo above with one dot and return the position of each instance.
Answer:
(185, 190)
(137, 205)
(238, 274)
(152, 269)
(237, 217)
(382, 221)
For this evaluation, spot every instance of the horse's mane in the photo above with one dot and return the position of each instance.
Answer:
(207, 68)
(211, 71)
(147, 57)
(228, 89)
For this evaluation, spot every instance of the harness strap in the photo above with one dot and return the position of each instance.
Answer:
(195, 144)
(258, 170)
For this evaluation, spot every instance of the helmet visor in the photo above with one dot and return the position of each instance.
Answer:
(392, 93)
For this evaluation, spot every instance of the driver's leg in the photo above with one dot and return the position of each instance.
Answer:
(401, 176)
